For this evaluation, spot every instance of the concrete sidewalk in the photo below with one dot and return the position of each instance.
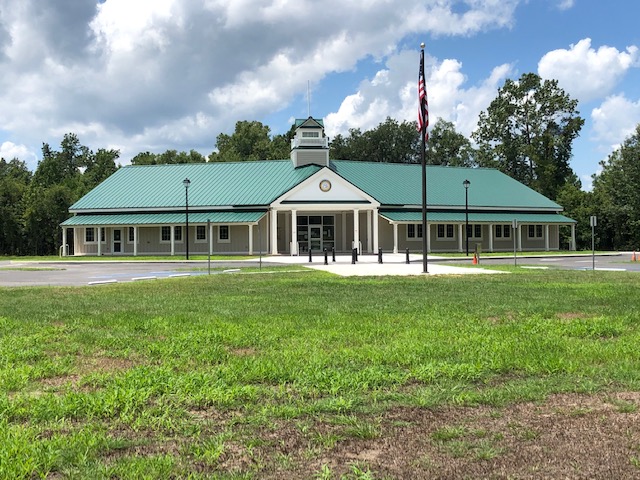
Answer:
(367, 265)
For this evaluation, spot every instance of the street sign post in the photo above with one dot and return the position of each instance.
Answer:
(594, 222)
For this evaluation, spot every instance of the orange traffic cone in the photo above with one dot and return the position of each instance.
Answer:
(475, 259)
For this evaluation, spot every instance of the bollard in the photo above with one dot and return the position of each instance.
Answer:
(325, 257)
(407, 257)
(333, 254)
(379, 255)
(310, 256)
(354, 256)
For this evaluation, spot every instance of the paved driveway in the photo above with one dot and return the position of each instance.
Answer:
(75, 273)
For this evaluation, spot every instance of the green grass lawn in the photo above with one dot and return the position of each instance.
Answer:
(197, 377)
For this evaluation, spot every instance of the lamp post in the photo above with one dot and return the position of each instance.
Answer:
(186, 182)
(466, 184)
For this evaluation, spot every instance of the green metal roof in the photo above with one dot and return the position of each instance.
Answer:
(301, 121)
(164, 218)
(404, 216)
(212, 185)
(401, 184)
(258, 183)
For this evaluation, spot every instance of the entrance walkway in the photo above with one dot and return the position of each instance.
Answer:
(367, 265)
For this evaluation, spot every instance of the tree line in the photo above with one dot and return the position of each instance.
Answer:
(526, 132)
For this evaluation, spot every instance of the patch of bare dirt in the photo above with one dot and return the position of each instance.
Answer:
(568, 437)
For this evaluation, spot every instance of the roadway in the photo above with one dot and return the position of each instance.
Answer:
(75, 273)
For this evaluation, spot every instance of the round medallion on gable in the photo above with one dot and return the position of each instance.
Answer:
(325, 185)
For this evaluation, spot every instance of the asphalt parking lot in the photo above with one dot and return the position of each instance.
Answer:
(77, 273)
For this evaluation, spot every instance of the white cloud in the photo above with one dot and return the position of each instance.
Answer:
(615, 120)
(9, 151)
(389, 94)
(565, 4)
(175, 73)
(586, 73)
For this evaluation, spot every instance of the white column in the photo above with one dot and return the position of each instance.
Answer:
(294, 232)
(135, 241)
(356, 230)
(546, 238)
(376, 225)
(461, 229)
(369, 233)
(428, 237)
(491, 237)
(344, 231)
(64, 242)
(573, 237)
(173, 240)
(99, 232)
(274, 232)
(519, 233)
(250, 239)
(395, 238)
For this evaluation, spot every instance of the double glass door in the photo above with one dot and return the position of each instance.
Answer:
(315, 232)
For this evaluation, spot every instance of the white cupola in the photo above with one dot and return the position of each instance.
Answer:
(310, 146)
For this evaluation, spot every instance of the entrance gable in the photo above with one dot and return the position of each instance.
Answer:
(325, 186)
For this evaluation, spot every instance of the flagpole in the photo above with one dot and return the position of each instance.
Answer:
(423, 131)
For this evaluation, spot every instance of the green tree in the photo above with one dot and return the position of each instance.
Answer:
(528, 131)
(390, 142)
(578, 205)
(249, 141)
(448, 147)
(100, 165)
(47, 208)
(617, 203)
(145, 158)
(64, 166)
(14, 181)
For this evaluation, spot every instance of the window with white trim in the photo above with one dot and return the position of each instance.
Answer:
(131, 235)
(165, 234)
(224, 234)
(310, 134)
(89, 235)
(201, 233)
(445, 231)
(535, 231)
(414, 231)
(474, 231)
(502, 231)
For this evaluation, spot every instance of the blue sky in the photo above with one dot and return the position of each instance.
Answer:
(149, 76)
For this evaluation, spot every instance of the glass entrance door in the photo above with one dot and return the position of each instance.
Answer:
(315, 232)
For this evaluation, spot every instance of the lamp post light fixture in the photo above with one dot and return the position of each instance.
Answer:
(466, 184)
(186, 182)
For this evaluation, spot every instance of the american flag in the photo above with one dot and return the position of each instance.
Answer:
(423, 104)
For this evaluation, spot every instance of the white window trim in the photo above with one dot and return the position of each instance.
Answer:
(160, 232)
(502, 235)
(472, 227)
(416, 238)
(445, 238)
(174, 234)
(224, 240)
(535, 237)
(90, 242)
(137, 237)
(182, 235)
(206, 234)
